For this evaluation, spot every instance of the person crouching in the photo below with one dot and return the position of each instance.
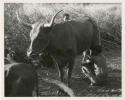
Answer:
(94, 68)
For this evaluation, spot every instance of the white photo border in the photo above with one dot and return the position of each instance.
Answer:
(57, 1)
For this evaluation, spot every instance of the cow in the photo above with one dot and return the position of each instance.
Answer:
(63, 41)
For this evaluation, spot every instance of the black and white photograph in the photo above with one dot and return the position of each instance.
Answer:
(62, 50)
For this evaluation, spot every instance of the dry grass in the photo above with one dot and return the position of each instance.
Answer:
(107, 17)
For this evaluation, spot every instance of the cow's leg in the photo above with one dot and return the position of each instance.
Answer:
(61, 69)
(61, 66)
(35, 91)
(70, 67)
(63, 62)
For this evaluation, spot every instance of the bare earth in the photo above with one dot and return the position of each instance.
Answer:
(80, 84)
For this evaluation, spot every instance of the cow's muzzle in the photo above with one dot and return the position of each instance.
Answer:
(34, 54)
(31, 54)
(29, 51)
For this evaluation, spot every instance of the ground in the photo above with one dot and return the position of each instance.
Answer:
(80, 84)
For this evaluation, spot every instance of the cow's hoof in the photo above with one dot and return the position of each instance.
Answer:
(61, 93)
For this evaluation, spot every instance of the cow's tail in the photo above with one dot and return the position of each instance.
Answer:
(96, 43)
(65, 88)
(96, 29)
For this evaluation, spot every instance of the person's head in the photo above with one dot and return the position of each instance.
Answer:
(66, 17)
(86, 56)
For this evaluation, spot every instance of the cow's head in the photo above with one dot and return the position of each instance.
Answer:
(39, 36)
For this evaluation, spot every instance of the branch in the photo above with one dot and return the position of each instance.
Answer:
(65, 88)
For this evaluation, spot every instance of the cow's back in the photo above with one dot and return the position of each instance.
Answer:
(84, 34)
(72, 35)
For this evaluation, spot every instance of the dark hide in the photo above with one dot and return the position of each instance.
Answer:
(46, 60)
(20, 77)
(20, 80)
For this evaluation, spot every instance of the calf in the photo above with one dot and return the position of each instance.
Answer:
(20, 78)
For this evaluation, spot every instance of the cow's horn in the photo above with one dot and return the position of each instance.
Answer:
(52, 20)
